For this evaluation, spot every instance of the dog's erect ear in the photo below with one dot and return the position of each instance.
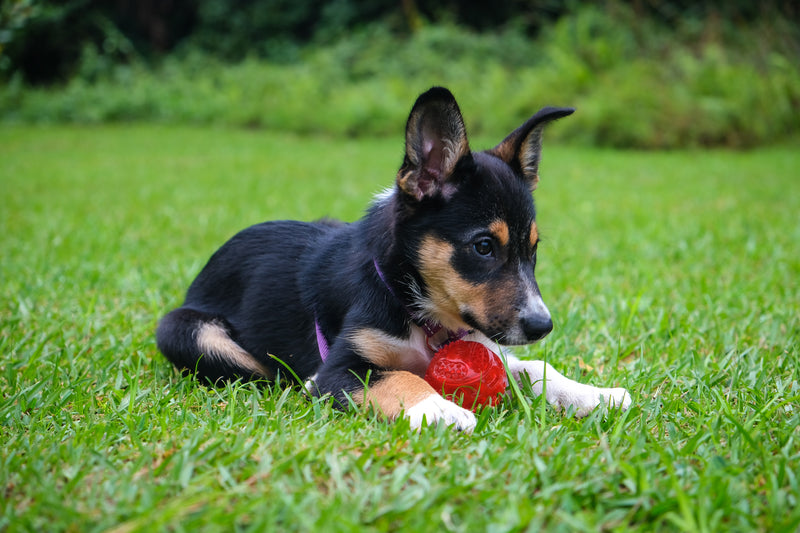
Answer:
(522, 149)
(435, 140)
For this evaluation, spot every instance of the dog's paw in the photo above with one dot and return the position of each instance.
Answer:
(592, 397)
(617, 398)
(434, 409)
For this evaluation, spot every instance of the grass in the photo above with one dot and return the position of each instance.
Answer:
(673, 274)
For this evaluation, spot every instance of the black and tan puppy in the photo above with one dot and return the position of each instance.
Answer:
(448, 252)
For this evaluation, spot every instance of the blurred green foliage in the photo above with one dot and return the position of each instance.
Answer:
(652, 75)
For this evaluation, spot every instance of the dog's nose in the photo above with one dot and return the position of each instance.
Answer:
(536, 327)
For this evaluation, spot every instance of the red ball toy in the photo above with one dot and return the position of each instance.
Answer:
(467, 373)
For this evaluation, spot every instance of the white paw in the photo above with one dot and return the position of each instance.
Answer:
(618, 398)
(435, 409)
(311, 385)
(592, 397)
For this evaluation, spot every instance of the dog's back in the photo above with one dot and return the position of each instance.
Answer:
(247, 300)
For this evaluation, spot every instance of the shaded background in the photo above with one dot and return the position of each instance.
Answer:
(644, 74)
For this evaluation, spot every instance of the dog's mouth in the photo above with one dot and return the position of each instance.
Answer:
(511, 332)
(494, 330)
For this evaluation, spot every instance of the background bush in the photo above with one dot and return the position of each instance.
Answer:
(664, 75)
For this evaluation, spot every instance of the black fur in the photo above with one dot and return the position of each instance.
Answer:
(269, 286)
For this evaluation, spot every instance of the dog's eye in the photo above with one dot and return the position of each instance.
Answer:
(484, 247)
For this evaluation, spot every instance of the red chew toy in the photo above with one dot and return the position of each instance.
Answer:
(467, 373)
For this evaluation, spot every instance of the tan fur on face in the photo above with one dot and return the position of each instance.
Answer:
(450, 295)
(396, 392)
(447, 290)
(499, 229)
(534, 234)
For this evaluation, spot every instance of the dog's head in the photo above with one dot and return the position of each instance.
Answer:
(468, 222)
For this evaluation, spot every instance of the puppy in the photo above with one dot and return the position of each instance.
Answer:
(358, 309)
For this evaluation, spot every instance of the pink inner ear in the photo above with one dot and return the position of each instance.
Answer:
(433, 155)
(427, 147)
(425, 185)
(432, 173)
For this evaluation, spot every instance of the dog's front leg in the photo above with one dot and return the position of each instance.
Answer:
(393, 393)
(399, 391)
(563, 392)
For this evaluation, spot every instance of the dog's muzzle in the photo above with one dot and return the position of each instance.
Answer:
(536, 326)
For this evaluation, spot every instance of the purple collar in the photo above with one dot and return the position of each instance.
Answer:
(430, 327)
(322, 342)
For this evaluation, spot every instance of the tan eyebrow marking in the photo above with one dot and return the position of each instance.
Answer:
(499, 229)
(534, 234)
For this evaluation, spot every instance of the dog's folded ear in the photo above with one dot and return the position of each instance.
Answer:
(522, 149)
(435, 141)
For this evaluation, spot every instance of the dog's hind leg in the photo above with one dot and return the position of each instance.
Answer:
(201, 344)
(563, 392)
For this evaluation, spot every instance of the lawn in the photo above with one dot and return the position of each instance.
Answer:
(674, 274)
